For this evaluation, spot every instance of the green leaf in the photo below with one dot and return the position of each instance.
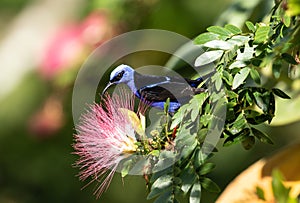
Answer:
(280, 93)
(286, 20)
(188, 177)
(227, 77)
(205, 37)
(195, 195)
(239, 40)
(188, 148)
(205, 119)
(261, 34)
(255, 75)
(250, 26)
(286, 111)
(166, 159)
(246, 54)
(217, 81)
(261, 136)
(158, 174)
(199, 158)
(233, 139)
(238, 124)
(206, 168)
(196, 104)
(179, 116)
(240, 77)
(289, 58)
(260, 101)
(208, 57)
(233, 29)
(218, 44)
(209, 185)
(161, 185)
(237, 64)
(166, 197)
(219, 30)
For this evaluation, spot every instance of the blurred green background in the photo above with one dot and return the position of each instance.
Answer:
(43, 43)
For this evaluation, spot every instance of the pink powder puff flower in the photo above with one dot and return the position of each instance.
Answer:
(105, 136)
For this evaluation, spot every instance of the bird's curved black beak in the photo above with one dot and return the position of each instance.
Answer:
(106, 88)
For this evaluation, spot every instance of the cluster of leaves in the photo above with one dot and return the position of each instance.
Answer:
(236, 83)
(239, 57)
(187, 160)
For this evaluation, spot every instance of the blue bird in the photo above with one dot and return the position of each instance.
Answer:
(155, 90)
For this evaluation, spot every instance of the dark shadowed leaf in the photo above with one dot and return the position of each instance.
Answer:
(209, 185)
(289, 58)
(206, 168)
(280, 93)
(261, 136)
(260, 102)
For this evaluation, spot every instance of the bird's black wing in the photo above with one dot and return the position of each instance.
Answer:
(160, 88)
(176, 91)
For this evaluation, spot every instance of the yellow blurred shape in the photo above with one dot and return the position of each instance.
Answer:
(243, 187)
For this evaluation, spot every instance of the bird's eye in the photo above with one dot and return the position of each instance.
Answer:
(118, 76)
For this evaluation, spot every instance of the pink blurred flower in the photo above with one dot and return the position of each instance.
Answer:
(47, 120)
(105, 136)
(67, 47)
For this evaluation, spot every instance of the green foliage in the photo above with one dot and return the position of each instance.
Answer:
(186, 161)
(239, 58)
(180, 164)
